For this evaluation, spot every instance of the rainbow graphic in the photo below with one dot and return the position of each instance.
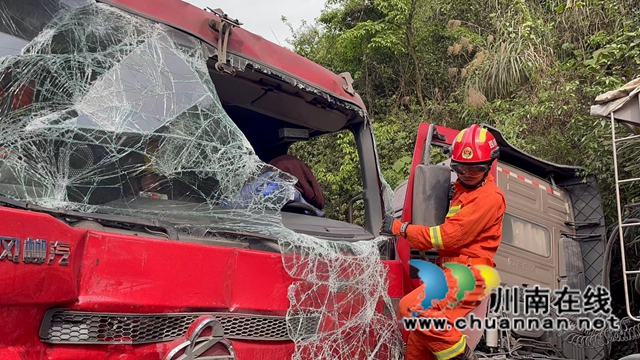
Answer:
(436, 287)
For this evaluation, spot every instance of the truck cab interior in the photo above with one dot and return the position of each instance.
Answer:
(274, 114)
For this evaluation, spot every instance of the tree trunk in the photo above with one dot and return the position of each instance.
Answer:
(414, 56)
(367, 86)
(416, 64)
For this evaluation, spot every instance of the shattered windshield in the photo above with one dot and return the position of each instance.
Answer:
(120, 116)
(10, 45)
(108, 113)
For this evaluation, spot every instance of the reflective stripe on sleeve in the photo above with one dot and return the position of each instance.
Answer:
(453, 210)
(436, 237)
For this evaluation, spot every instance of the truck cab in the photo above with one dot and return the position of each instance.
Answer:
(141, 215)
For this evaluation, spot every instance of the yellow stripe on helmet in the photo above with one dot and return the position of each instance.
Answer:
(483, 135)
(460, 135)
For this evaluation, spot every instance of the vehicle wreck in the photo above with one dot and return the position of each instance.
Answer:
(139, 215)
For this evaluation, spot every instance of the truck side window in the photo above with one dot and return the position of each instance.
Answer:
(335, 164)
(526, 235)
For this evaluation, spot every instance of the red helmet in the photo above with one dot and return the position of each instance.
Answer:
(474, 145)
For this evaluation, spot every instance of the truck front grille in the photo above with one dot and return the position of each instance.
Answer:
(73, 327)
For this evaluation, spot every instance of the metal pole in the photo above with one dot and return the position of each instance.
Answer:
(427, 144)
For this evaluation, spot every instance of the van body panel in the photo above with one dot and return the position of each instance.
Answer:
(534, 220)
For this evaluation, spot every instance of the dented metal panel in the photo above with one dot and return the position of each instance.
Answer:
(264, 55)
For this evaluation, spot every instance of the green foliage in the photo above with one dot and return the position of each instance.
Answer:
(334, 160)
(530, 68)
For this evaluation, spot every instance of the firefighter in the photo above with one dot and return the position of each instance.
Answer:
(470, 234)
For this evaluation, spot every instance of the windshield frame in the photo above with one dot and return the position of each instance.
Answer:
(373, 188)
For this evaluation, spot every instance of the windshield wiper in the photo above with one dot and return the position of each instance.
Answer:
(241, 234)
(103, 219)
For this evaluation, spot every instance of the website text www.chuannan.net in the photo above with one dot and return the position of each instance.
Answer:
(515, 323)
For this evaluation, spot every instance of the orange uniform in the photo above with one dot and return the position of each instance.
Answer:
(473, 226)
(471, 234)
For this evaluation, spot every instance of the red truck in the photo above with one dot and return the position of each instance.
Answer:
(140, 217)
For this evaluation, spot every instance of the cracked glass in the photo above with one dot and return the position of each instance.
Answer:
(103, 112)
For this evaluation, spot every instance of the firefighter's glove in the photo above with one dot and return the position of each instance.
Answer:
(392, 226)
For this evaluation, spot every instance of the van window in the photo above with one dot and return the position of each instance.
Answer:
(526, 235)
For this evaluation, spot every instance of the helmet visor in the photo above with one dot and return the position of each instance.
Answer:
(471, 169)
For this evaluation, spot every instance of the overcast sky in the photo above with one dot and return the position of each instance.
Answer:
(262, 17)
